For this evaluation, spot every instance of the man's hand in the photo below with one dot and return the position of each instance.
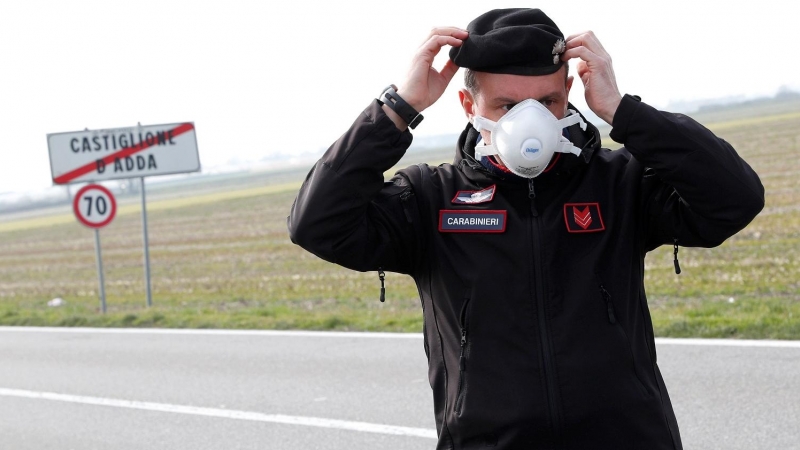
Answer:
(424, 84)
(596, 72)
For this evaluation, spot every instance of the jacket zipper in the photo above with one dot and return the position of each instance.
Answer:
(539, 296)
(675, 256)
(462, 359)
(532, 196)
(612, 319)
(381, 274)
(404, 198)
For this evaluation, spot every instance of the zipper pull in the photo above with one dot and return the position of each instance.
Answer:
(609, 306)
(675, 261)
(532, 196)
(382, 277)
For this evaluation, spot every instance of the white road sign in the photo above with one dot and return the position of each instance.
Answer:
(94, 206)
(132, 152)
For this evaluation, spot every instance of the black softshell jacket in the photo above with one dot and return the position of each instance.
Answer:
(537, 336)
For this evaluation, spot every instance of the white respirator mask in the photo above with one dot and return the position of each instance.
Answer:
(526, 137)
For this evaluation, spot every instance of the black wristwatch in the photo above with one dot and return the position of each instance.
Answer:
(390, 98)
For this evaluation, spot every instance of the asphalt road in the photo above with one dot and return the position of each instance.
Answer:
(123, 389)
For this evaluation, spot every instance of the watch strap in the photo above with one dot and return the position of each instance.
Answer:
(392, 99)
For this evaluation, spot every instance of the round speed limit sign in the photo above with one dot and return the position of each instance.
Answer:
(94, 206)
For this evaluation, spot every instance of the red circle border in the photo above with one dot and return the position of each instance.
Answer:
(76, 208)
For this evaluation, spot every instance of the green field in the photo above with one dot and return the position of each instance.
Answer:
(224, 260)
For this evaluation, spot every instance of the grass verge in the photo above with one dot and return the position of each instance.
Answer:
(225, 261)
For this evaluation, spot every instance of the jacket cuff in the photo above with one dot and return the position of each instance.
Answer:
(383, 123)
(623, 116)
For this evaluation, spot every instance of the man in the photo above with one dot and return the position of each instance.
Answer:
(537, 330)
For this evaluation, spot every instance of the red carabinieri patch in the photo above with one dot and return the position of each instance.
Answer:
(583, 217)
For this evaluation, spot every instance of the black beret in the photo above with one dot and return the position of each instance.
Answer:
(517, 41)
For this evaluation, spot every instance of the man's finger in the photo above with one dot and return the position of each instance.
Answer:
(449, 70)
(446, 31)
(582, 70)
(589, 40)
(573, 36)
(584, 54)
(432, 46)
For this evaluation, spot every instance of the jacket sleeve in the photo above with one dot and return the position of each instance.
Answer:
(697, 190)
(345, 213)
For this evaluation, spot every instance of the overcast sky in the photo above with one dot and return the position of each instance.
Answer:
(260, 77)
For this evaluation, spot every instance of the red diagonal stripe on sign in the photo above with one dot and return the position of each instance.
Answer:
(127, 151)
(583, 217)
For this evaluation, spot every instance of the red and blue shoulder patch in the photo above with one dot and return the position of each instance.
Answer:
(475, 197)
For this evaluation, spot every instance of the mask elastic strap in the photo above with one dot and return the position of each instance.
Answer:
(572, 119)
(565, 146)
(484, 149)
(482, 123)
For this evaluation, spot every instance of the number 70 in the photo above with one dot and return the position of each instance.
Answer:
(100, 205)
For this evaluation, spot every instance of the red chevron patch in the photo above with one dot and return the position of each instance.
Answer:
(583, 217)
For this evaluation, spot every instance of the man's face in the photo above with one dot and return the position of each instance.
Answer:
(497, 93)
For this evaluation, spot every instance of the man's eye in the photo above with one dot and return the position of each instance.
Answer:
(548, 102)
(508, 106)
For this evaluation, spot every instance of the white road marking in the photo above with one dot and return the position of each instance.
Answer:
(364, 427)
(729, 342)
(290, 333)
(361, 334)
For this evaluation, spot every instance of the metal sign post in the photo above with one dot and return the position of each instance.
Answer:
(146, 248)
(100, 269)
(95, 207)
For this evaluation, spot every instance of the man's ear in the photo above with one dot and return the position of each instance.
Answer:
(467, 103)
